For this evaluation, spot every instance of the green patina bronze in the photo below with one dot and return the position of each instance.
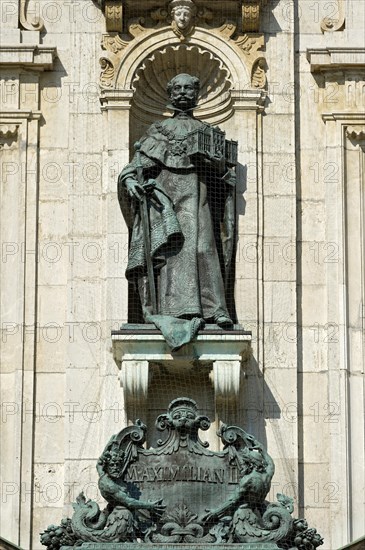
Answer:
(180, 189)
(183, 495)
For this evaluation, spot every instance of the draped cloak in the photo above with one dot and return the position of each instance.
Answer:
(192, 218)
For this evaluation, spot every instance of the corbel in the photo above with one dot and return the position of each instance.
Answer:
(113, 12)
(251, 13)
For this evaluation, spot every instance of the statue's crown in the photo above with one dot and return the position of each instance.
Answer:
(182, 4)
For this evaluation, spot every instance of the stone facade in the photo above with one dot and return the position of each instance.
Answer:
(285, 79)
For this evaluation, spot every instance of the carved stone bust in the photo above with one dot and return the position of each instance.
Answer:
(182, 13)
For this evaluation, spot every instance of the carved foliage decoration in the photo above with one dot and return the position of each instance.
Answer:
(113, 45)
(251, 45)
(107, 72)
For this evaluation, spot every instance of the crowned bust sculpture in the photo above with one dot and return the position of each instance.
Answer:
(182, 13)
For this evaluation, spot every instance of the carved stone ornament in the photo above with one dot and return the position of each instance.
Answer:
(182, 14)
(113, 10)
(29, 23)
(183, 493)
(132, 31)
(251, 13)
(356, 133)
(335, 21)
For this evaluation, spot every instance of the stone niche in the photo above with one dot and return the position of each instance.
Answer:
(141, 51)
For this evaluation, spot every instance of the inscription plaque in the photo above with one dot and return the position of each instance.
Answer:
(182, 493)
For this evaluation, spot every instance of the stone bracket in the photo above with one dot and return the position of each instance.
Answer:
(113, 11)
(251, 14)
(135, 352)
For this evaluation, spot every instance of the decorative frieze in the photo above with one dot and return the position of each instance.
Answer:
(182, 22)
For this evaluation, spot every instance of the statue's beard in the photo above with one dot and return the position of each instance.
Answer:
(183, 104)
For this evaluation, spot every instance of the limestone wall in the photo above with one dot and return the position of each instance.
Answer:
(294, 101)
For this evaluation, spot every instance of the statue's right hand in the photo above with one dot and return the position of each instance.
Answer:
(134, 189)
(157, 507)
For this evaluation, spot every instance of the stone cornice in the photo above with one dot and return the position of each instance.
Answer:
(343, 116)
(117, 100)
(332, 59)
(30, 56)
(22, 114)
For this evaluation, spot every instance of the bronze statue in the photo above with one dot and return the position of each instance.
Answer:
(180, 257)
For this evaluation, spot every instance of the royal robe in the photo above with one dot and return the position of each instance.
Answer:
(191, 216)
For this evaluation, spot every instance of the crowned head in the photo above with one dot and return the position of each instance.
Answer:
(182, 13)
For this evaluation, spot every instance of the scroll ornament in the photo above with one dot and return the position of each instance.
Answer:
(203, 496)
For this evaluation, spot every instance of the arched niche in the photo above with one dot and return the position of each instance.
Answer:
(217, 43)
(153, 58)
(151, 77)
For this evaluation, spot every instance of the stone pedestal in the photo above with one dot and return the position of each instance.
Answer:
(139, 349)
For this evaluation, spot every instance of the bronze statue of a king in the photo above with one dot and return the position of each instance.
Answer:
(177, 197)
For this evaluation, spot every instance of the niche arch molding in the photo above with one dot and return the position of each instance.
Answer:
(142, 47)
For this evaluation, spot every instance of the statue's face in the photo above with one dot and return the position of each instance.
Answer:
(183, 418)
(182, 17)
(183, 94)
(113, 468)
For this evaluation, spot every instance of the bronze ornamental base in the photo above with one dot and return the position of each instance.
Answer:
(134, 546)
